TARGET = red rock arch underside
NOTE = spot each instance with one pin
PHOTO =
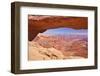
(37, 24)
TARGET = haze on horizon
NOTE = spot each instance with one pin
(66, 31)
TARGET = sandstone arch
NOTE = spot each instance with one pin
(37, 24)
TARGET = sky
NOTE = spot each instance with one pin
(66, 31)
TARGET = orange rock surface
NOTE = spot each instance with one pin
(38, 24)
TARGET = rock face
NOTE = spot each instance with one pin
(38, 24)
(37, 52)
(58, 47)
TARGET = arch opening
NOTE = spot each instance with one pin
(40, 23)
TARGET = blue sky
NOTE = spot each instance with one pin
(66, 31)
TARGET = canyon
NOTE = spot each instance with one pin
(58, 47)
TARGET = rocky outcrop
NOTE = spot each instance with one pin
(38, 24)
(37, 52)
(55, 47)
